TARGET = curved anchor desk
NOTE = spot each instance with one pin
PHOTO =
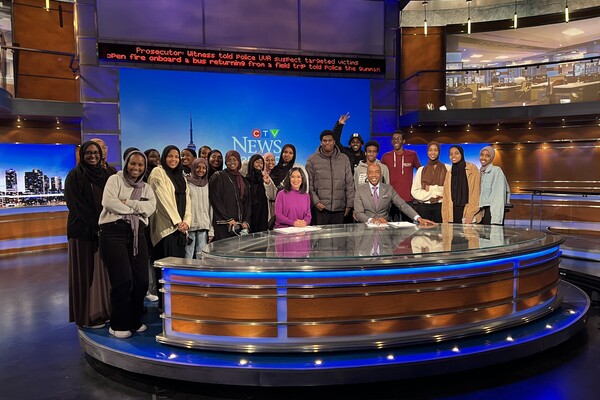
(370, 304)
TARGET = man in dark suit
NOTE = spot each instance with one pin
(372, 202)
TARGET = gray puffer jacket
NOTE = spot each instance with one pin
(330, 180)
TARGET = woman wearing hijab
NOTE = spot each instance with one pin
(461, 190)
(287, 160)
(269, 162)
(215, 162)
(229, 194)
(428, 185)
(495, 192)
(262, 190)
(89, 287)
(171, 221)
(128, 202)
(201, 231)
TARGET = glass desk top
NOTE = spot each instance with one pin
(340, 246)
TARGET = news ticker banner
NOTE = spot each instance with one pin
(244, 60)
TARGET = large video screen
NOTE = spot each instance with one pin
(249, 113)
(34, 174)
(537, 44)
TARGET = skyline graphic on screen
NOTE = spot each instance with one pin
(34, 174)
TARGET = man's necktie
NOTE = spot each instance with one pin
(375, 196)
(375, 244)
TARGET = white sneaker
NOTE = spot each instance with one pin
(142, 328)
(151, 297)
(119, 334)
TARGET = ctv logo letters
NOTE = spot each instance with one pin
(260, 141)
(266, 132)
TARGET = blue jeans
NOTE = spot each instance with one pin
(199, 240)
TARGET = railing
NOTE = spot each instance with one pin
(557, 82)
(36, 64)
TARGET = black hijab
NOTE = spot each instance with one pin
(176, 177)
(255, 176)
(237, 176)
(258, 197)
(96, 174)
(459, 186)
(281, 170)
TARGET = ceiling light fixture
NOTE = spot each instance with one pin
(567, 11)
(515, 16)
(425, 20)
(47, 5)
(469, 18)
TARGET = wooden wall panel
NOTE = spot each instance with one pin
(65, 135)
(45, 88)
(418, 53)
(33, 225)
(42, 76)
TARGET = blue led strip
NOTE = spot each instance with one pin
(167, 271)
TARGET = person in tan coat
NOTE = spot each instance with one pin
(461, 190)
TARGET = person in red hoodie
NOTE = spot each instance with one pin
(401, 163)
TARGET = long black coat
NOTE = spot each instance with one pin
(227, 204)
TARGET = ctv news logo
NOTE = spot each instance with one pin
(259, 141)
(265, 133)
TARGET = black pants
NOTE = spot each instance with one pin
(431, 212)
(487, 216)
(172, 245)
(396, 215)
(128, 274)
(457, 214)
(327, 217)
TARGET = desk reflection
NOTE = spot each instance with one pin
(293, 246)
(362, 241)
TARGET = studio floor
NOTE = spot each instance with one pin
(41, 357)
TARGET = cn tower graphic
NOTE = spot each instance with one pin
(191, 145)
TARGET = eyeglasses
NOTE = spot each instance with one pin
(91, 153)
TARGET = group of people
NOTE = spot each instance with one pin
(173, 203)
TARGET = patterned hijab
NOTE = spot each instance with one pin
(95, 173)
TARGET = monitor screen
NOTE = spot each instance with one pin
(535, 44)
(34, 174)
(249, 113)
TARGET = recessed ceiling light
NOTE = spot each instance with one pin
(465, 60)
(501, 57)
(477, 56)
(485, 61)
